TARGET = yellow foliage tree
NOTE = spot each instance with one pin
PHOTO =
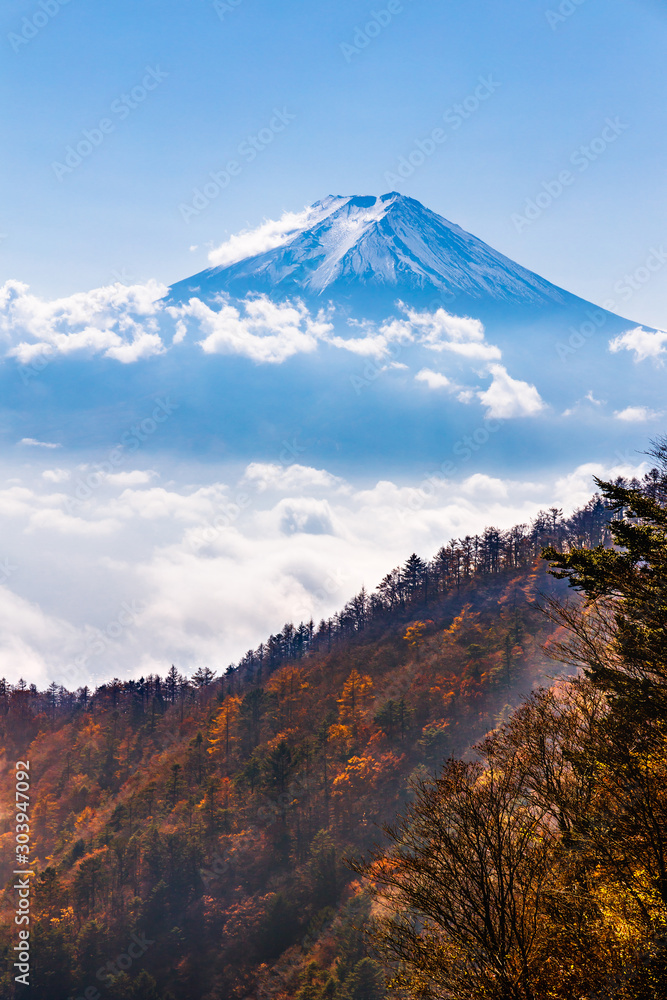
(353, 703)
(289, 686)
(223, 735)
(466, 627)
(357, 777)
(415, 633)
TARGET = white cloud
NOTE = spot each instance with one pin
(144, 345)
(56, 475)
(508, 397)
(17, 501)
(637, 414)
(28, 636)
(66, 524)
(265, 476)
(440, 323)
(575, 488)
(270, 234)
(483, 485)
(644, 343)
(259, 329)
(462, 335)
(465, 396)
(133, 477)
(160, 503)
(249, 242)
(397, 331)
(370, 346)
(434, 380)
(116, 320)
(376, 344)
(476, 352)
(436, 331)
(127, 323)
(305, 515)
(34, 443)
(580, 404)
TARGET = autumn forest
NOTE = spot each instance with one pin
(454, 788)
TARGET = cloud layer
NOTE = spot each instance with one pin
(127, 324)
(144, 573)
(117, 321)
(260, 329)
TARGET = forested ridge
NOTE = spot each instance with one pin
(214, 818)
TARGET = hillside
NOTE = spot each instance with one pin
(212, 817)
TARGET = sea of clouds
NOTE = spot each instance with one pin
(123, 573)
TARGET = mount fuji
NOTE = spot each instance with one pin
(376, 333)
(385, 247)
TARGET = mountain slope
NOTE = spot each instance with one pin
(211, 820)
(391, 242)
(215, 827)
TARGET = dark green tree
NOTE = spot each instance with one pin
(366, 981)
(619, 634)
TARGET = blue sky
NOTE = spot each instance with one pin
(558, 77)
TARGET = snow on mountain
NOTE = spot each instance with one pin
(272, 233)
(392, 242)
(376, 335)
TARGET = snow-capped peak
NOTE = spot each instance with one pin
(352, 242)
